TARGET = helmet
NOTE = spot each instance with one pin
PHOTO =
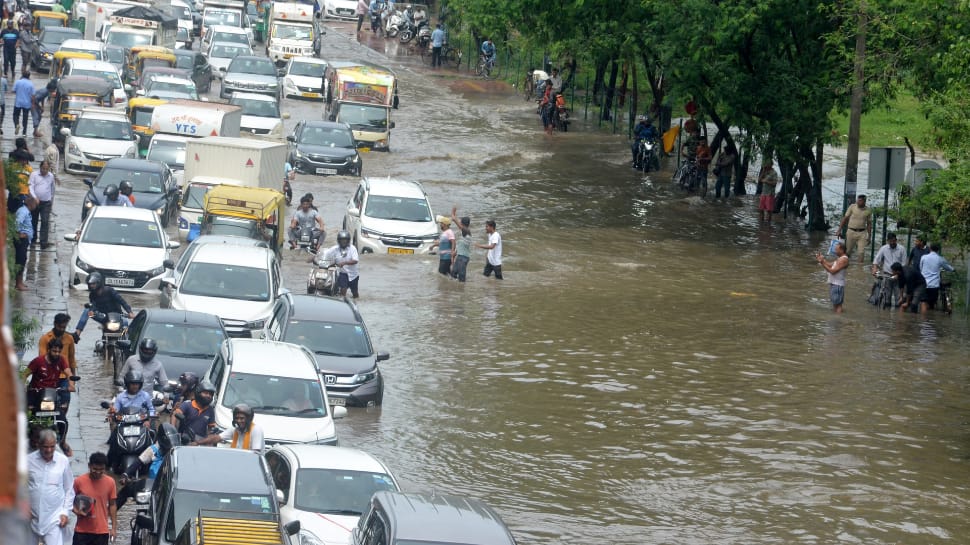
(168, 438)
(125, 187)
(111, 192)
(245, 410)
(204, 386)
(189, 381)
(147, 349)
(95, 281)
(134, 377)
(342, 237)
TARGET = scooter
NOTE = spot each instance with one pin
(309, 238)
(131, 437)
(112, 330)
(45, 411)
(393, 23)
(424, 35)
(323, 278)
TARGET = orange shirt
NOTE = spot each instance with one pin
(104, 493)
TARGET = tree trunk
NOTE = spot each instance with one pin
(611, 92)
(855, 111)
(598, 80)
(816, 211)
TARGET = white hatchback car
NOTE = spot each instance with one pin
(340, 9)
(100, 70)
(93, 47)
(222, 53)
(280, 382)
(239, 284)
(326, 488)
(260, 115)
(99, 134)
(304, 78)
(387, 216)
(127, 245)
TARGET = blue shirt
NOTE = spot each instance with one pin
(437, 38)
(9, 36)
(141, 400)
(24, 223)
(930, 266)
(24, 91)
(488, 48)
(120, 201)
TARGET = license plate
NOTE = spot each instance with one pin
(400, 251)
(310, 95)
(363, 150)
(97, 164)
(326, 171)
(131, 431)
(337, 401)
(125, 282)
(46, 413)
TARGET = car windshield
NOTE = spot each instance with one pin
(104, 129)
(256, 107)
(237, 227)
(182, 35)
(276, 395)
(226, 281)
(143, 117)
(155, 87)
(195, 196)
(128, 39)
(229, 51)
(184, 61)
(311, 69)
(329, 339)
(321, 136)
(188, 503)
(363, 116)
(53, 37)
(292, 32)
(111, 76)
(170, 152)
(141, 181)
(231, 37)
(338, 491)
(249, 65)
(185, 340)
(397, 208)
(214, 17)
(116, 55)
(122, 232)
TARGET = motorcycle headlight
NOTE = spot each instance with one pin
(160, 210)
(47, 405)
(82, 265)
(183, 223)
(88, 203)
(112, 326)
(73, 149)
(47, 55)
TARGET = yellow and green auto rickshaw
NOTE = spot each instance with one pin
(134, 51)
(60, 59)
(140, 114)
(148, 59)
(44, 19)
(76, 92)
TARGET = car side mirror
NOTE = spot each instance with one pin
(391, 126)
(293, 527)
(105, 404)
(172, 244)
(168, 264)
(70, 237)
(286, 115)
(383, 356)
(339, 412)
(280, 497)
(290, 138)
(66, 132)
(144, 521)
(355, 212)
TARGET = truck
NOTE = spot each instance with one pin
(225, 12)
(292, 32)
(218, 160)
(141, 25)
(362, 96)
(96, 16)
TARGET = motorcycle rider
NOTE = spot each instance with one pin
(152, 370)
(345, 256)
(113, 197)
(125, 188)
(150, 458)
(45, 372)
(196, 418)
(103, 299)
(61, 320)
(244, 433)
(306, 217)
(188, 382)
(131, 396)
(643, 131)
(556, 80)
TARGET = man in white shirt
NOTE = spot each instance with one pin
(493, 261)
(41, 184)
(890, 253)
(50, 483)
(556, 81)
(345, 256)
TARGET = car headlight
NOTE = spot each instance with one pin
(307, 538)
(157, 271)
(382, 143)
(88, 203)
(160, 210)
(73, 149)
(132, 152)
(361, 378)
(297, 153)
(369, 234)
(274, 85)
(81, 264)
(255, 324)
(356, 157)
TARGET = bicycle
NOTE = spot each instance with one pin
(486, 67)
(946, 297)
(449, 55)
(885, 291)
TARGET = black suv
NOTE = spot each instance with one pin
(334, 331)
(396, 517)
(195, 479)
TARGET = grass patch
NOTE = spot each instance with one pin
(888, 125)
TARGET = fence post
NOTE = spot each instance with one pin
(586, 100)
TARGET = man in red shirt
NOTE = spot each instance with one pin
(97, 502)
(45, 371)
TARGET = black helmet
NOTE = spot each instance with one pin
(134, 377)
(147, 349)
(95, 281)
(244, 409)
(189, 381)
(168, 438)
(111, 192)
(342, 237)
(204, 386)
(125, 187)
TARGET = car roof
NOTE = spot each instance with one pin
(99, 112)
(323, 309)
(308, 60)
(331, 457)
(81, 43)
(185, 52)
(92, 64)
(173, 316)
(63, 30)
(127, 163)
(263, 357)
(228, 470)
(442, 518)
(253, 96)
(227, 28)
(124, 212)
(325, 124)
(170, 78)
(232, 254)
(395, 188)
(231, 240)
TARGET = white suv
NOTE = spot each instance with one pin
(240, 284)
(390, 217)
(98, 134)
(280, 382)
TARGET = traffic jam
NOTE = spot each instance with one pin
(171, 116)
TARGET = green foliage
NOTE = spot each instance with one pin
(901, 117)
(24, 328)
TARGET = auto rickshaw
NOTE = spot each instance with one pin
(147, 59)
(60, 59)
(136, 50)
(44, 19)
(76, 92)
(140, 113)
(253, 212)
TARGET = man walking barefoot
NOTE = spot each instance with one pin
(836, 275)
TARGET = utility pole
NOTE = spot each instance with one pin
(855, 110)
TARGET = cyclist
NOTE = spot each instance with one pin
(643, 131)
(488, 51)
(103, 299)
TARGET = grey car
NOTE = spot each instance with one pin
(251, 74)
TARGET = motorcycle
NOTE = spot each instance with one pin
(46, 411)
(408, 29)
(424, 35)
(131, 437)
(112, 330)
(647, 156)
(309, 238)
(323, 278)
(393, 23)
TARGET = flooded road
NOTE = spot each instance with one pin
(653, 368)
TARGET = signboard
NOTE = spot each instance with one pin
(887, 167)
